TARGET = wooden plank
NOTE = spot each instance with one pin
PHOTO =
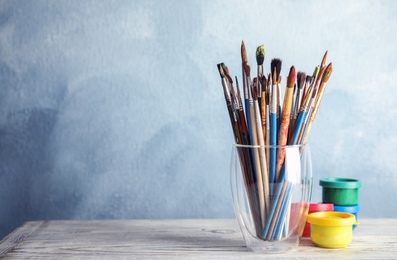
(20, 234)
(170, 239)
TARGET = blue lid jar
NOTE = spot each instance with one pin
(349, 209)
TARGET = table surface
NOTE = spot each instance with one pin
(179, 238)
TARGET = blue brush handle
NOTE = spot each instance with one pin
(298, 127)
(273, 151)
(274, 203)
(283, 211)
(248, 119)
(276, 197)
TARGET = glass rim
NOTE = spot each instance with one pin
(271, 146)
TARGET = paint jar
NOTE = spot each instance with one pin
(349, 209)
(340, 191)
(331, 229)
(316, 207)
(271, 209)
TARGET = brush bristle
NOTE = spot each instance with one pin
(324, 60)
(275, 66)
(244, 56)
(221, 73)
(291, 77)
(226, 72)
(247, 69)
(301, 79)
(308, 79)
(327, 73)
(263, 82)
(316, 71)
(260, 55)
(267, 99)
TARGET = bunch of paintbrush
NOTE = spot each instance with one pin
(269, 125)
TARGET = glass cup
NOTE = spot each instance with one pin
(271, 188)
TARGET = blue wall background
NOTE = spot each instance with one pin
(114, 109)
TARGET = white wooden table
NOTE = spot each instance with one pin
(171, 239)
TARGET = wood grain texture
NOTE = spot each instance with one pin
(171, 239)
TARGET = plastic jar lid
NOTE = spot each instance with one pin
(349, 209)
(321, 207)
(340, 183)
(327, 218)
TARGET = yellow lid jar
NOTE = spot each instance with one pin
(331, 229)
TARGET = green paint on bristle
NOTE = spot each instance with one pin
(316, 71)
(260, 54)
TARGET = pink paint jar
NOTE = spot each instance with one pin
(316, 207)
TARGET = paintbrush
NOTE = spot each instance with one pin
(250, 104)
(229, 104)
(279, 111)
(310, 105)
(286, 112)
(310, 83)
(301, 77)
(321, 89)
(260, 57)
(324, 60)
(243, 123)
(263, 106)
(304, 108)
(250, 113)
(283, 136)
(262, 152)
(294, 93)
(267, 141)
(246, 89)
(257, 156)
(282, 218)
(237, 105)
(265, 116)
(275, 69)
(254, 137)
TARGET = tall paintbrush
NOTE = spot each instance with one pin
(267, 140)
(262, 152)
(282, 140)
(275, 69)
(263, 106)
(285, 120)
(301, 83)
(246, 88)
(249, 105)
(229, 105)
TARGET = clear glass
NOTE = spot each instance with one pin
(271, 188)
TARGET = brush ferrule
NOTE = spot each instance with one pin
(245, 86)
(273, 100)
(226, 89)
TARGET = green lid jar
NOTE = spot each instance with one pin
(340, 191)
